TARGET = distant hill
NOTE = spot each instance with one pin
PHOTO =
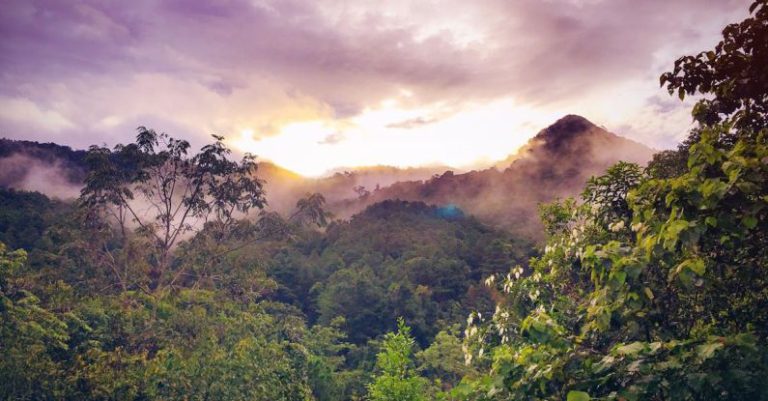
(59, 171)
(49, 168)
(284, 188)
(554, 164)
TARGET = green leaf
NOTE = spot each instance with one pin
(631, 349)
(578, 396)
(749, 221)
(714, 189)
(617, 279)
(706, 351)
(648, 293)
(695, 265)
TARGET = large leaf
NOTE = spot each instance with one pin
(578, 396)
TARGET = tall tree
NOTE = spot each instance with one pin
(310, 210)
(156, 186)
(397, 379)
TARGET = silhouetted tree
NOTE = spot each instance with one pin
(734, 74)
(177, 193)
(310, 210)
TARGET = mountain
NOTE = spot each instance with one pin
(555, 163)
(284, 187)
(58, 171)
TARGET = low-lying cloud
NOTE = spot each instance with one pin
(26, 173)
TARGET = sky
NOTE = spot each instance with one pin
(315, 85)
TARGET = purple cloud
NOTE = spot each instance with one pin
(87, 61)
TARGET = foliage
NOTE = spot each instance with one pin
(309, 210)
(28, 334)
(397, 379)
(652, 287)
(443, 360)
(733, 73)
(24, 217)
(179, 192)
(396, 259)
(673, 308)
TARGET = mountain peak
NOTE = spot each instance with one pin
(567, 126)
(566, 130)
(572, 121)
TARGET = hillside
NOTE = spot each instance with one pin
(395, 258)
(49, 168)
(58, 171)
(284, 187)
(554, 164)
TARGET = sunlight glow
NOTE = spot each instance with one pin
(392, 135)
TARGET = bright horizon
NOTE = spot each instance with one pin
(315, 86)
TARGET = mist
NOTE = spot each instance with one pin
(26, 173)
(554, 164)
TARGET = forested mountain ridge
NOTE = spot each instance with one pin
(556, 163)
(396, 258)
(350, 282)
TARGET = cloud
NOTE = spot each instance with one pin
(333, 138)
(413, 123)
(664, 104)
(226, 65)
(25, 114)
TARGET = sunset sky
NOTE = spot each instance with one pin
(316, 84)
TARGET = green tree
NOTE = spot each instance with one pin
(397, 379)
(731, 76)
(443, 360)
(655, 288)
(177, 192)
(672, 308)
(30, 337)
(358, 296)
(310, 210)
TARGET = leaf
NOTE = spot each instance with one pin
(617, 279)
(707, 350)
(695, 265)
(749, 221)
(577, 396)
(631, 349)
(648, 293)
(714, 189)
